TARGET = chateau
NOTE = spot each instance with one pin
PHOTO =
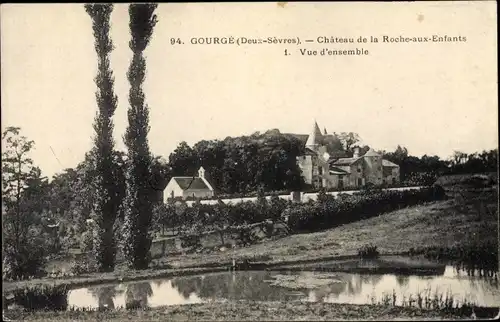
(323, 170)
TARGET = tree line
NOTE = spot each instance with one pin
(115, 187)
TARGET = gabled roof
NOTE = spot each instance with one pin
(387, 163)
(186, 183)
(346, 161)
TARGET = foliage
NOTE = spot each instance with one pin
(84, 266)
(332, 212)
(483, 255)
(368, 251)
(39, 297)
(138, 200)
(243, 164)
(106, 193)
(428, 300)
(245, 236)
(191, 241)
(422, 170)
(23, 191)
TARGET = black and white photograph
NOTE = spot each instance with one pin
(250, 161)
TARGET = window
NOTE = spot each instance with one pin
(359, 170)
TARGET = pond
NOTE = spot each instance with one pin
(290, 286)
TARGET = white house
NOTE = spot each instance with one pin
(197, 187)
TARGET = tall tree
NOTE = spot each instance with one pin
(348, 139)
(22, 197)
(104, 182)
(138, 204)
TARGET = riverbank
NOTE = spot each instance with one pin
(257, 310)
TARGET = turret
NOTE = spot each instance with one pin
(313, 139)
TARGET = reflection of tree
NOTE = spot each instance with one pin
(354, 285)
(136, 295)
(402, 280)
(233, 286)
(105, 296)
(332, 290)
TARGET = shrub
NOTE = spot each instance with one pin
(368, 251)
(331, 212)
(191, 241)
(86, 241)
(245, 236)
(84, 266)
(23, 262)
(52, 297)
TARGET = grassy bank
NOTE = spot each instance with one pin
(254, 310)
(442, 224)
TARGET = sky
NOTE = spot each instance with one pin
(433, 98)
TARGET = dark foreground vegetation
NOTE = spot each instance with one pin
(258, 311)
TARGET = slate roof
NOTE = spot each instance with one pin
(190, 183)
(315, 135)
(387, 163)
(346, 161)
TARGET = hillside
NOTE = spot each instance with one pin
(447, 224)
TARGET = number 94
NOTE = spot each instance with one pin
(175, 41)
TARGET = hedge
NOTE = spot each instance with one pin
(329, 212)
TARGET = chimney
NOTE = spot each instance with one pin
(356, 153)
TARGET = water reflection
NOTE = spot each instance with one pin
(105, 296)
(136, 295)
(287, 286)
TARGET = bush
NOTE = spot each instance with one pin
(421, 179)
(23, 262)
(85, 266)
(51, 297)
(86, 241)
(368, 251)
(191, 241)
(332, 212)
(245, 236)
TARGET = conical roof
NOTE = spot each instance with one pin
(312, 140)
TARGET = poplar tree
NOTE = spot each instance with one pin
(104, 188)
(138, 203)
